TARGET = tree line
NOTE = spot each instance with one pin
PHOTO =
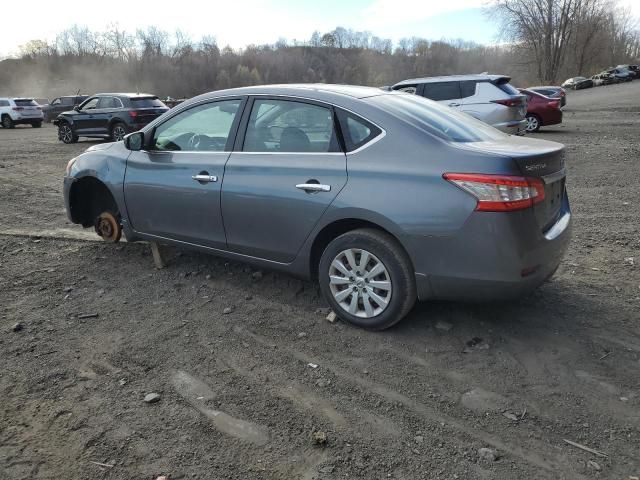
(546, 41)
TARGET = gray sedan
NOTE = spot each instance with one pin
(382, 197)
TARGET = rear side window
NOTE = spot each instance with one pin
(290, 126)
(146, 102)
(25, 102)
(442, 91)
(67, 100)
(356, 131)
(507, 88)
(4, 103)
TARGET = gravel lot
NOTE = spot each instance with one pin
(250, 393)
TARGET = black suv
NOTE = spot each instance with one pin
(61, 104)
(109, 115)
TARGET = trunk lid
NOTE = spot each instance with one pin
(538, 159)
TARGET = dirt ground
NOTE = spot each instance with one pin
(242, 394)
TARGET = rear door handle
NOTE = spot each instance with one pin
(314, 187)
(454, 104)
(204, 178)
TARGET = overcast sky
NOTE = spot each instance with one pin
(242, 22)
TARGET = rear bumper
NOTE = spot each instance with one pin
(513, 127)
(551, 117)
(494, 256)
(26, 120)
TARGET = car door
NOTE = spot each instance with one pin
(447, 93)
(172, 187)
(101, 121)
(83, 118)
(283, 174)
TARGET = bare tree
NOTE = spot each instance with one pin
(544, 27)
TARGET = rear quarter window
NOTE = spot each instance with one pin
(356, 131)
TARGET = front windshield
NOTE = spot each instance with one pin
(429, 116)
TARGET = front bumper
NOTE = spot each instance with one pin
(494, 256)
(66, 189)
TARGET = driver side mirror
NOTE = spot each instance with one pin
(134, 141)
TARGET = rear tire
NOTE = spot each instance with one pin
(533, 122)
(7, 122)
(367, 278)
(118, 131)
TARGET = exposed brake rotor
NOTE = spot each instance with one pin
(108, 227)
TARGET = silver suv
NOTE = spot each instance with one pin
(16, 111)
(490, 98)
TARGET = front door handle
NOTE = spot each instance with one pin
(204, 178)
(454, 104)
(314, 187)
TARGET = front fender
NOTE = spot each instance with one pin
(105, 162)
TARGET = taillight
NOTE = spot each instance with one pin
(509, 102)
(499, 193)
(133, 114)
(554, 104)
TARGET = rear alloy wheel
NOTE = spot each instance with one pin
(7, 122)
(367, 278)
(118, 131)
(533, 123)
(65, 133)
(108, 227)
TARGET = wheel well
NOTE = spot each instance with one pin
(333, 230)
(89, 197)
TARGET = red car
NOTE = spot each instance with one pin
(541, 111)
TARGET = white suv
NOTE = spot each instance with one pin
(16, 111)
(490, 98)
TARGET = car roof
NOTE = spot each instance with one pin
(128, 95)
(312, 91)
(460, 78)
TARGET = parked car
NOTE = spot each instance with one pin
(620, 75)
(633, 72)
(61, 104)
(603, 79)
(20, 111)
(578, 83)
(489, 98)
(551, 92)
(109, 115)
(542, 111)
(382, 197)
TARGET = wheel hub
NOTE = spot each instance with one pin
(108, 227)
(360, 283)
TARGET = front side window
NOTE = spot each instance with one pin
(91, 104)
(290, 126)
(442, 91)
(408, 89)
(56, 102)
(109, 102)
(205, 128)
